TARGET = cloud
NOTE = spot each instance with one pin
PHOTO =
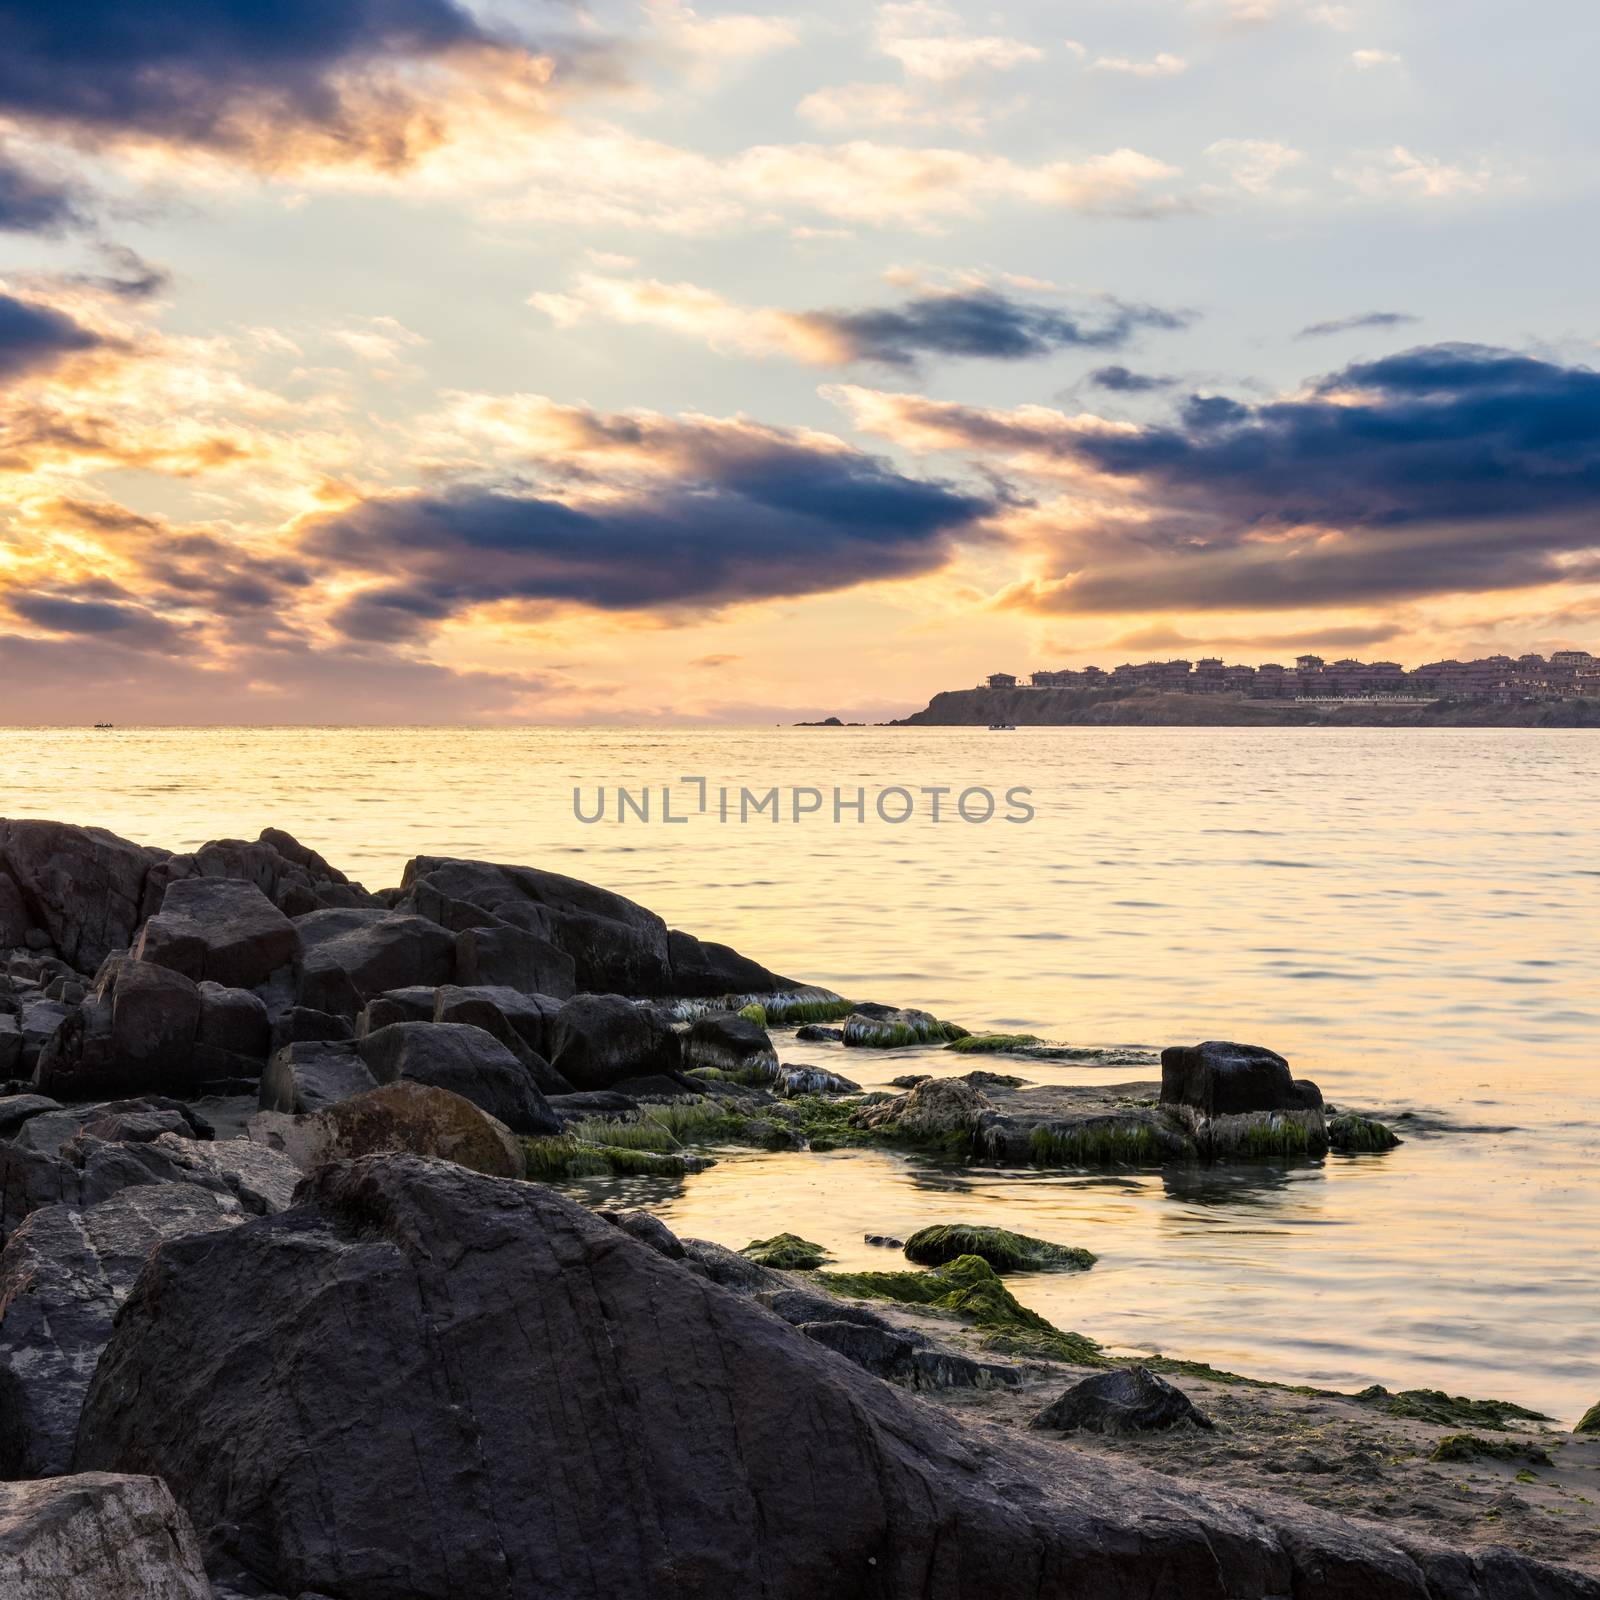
(1160, 66)
(1119, 380)
(1367, 59)
(1254, 164)
(657, 514)
(971, 321)
(1162, 636)
(34, 202)
(34, 336)
(1403, 171)
(118, 619)
(128, 276)
(734, 36)
(720, 660)
(891, 105)
(928, 41)
(1446, 469)
(297, 81)
(1366, 319)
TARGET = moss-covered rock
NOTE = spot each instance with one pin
(563, 1157)
(1357, 1135)
(1469, 1447)
(788, 1252)
(890, 1027)
(1589, 1422)
(969, 1287)
(1003, 1250)
(754, 1012)
(1446, 1410)
(993, 1043)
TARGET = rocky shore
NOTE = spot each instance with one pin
(285, 1313)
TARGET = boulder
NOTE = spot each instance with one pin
(260, 1179)
(17, 1109)
(1129, 1400)
(137, 1030)
(1221, 1079)
(311, 1076)
(942, 1111)
(405, 1117)
(889, 1027)
(647, 1229)
(11, 1045)
(600, 1040)
(351, 955)
(295, 879)
(83, 887)
(57, 1127)
(614, 944)
(523, 1023)
(234, 1037)
(793, 1081)
(422, 1382)
(40, 1020)
(513, 958)
(219, 929)
(398, 1005)
(732, 1044)
(16, 921)
(97, 1536)
(63, 1274)
(302, 1025)
(466, 1061)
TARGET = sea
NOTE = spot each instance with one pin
(1412, 917)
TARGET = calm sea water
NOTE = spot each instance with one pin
(1413, 918)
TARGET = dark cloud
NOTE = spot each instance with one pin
(34, 336)
(1119, 380)
(235, 75)
(1162, 637)
(1367, 319)
(981, 323)
(758, 516)
(31, 202)
(1449, 468)
(82, 612)
(128, 275)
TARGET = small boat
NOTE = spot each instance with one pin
(105, 724)
(1002, 727)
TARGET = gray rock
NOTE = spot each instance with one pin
(1128, 1400)
(16, 921)
(295, 879)
(523, 1023)
(220, 930)
(352, 955)
(648, 1230)
(10, 1045)
(301, 1025)
(792, 1081)
(83, 887)
(460, 1387)
(53, 1129)
(307, 1077)
(602, 1039)
(17, 1109)
(63, 1274)
(260, 1179)
(398, 1005)
(1221, 1079)
(466, 1061)
(97, 1536)
(40, 1020)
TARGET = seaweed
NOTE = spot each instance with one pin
(1357, 1135)
(992, 1043)
(1095, 1145)
(1469, 1447)
(754, 1012)
(561, 1157)
(1445, 1410)
(786, 1251)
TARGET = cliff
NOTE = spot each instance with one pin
(1089, 708)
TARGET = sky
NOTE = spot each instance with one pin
(376, 361)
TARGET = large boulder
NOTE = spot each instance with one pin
(63, 1274)
(523, 1023)
(939, 1111)
(513, 958)
(83, 887)
(219, 929)
(603, 1039)
(1223, 1079)
(97, 1536)
(466, 1061)
(421, 1382)
(614, 944)
(1129, 1400)
(733, 1044)
(404, 1117)
(294, 878)
(351, 955)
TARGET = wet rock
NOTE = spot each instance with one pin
(63, 1274)
(1004, 1250)
(793, 1081)
(219, 929)
(1352, 1134)
(1128, 1400)
(601, 1039)
(1589, 1422)
(352, 955)
(83, 887)
(732, 1044)
(786, 1252)
(466, 1061)
(261, 1180)
(302, 1025)
(419, 1332)
(10, 1046)
(416, 1004)
(513, 958)
(902, 1358)
(888, 1027)
(602, 1103)
(886, 1241)
(307, 1077)
(1223, 1079)
(524, 1023)
(404, 1117)
(97, 1536)
(814, 1033)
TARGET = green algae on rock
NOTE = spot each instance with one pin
(992, 1043)
(891, 1027)
(1469, 1447)
(1589, 1422)
(1003, 1250)
(560, 1157)
(788, 1252)
(1352, 1134)
(1434, 1405)
(970, 1287)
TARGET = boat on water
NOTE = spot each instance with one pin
(1002, 727)
(105, 724)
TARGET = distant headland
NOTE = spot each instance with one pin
(1528, 691)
